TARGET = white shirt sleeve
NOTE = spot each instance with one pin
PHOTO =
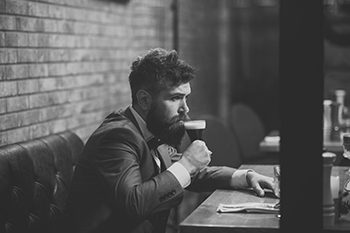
(239, 178)
(181, 174)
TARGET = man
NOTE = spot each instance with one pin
(124, 180)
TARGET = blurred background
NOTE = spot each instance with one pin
(64, 64)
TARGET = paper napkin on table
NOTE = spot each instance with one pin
(252, 207)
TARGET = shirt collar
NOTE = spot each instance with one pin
(147, 135)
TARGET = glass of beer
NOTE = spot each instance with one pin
(194, 129)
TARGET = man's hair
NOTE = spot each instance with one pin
(156, 70)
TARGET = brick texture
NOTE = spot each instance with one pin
(64, 64)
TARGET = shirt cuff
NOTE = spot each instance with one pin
(180, 173)
(239, 178)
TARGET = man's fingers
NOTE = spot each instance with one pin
(257, 187)
(276, 192)
(259, 182)
(259, 191)
(273, 186)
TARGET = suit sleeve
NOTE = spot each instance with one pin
(117, 159)
(211, 178)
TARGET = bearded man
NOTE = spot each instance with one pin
(130, 174)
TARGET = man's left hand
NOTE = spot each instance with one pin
(258, 182)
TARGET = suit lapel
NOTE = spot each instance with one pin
(145, 168)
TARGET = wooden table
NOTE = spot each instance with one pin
(268, 145)
(205, 218)
(273, 146)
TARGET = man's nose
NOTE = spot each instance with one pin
(184, 107)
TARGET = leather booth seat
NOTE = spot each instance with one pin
(35, 178)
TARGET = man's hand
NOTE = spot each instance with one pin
(258, 182)
(195, 157)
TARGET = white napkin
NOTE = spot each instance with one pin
(252, 207)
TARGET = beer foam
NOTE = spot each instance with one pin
(195, 124)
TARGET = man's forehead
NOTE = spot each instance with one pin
(183, 88)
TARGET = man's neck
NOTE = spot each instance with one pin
(141, 122)
(139, 111)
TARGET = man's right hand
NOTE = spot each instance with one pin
(195, 157)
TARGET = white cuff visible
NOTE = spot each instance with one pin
(181, 174)
(239, 178)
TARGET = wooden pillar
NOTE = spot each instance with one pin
(301, 91)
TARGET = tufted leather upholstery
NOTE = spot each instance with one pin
(35, 177)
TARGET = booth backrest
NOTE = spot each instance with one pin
(250, 131)
(35, 179)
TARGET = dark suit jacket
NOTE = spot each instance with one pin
(116, 185)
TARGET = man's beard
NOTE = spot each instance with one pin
(171, 132)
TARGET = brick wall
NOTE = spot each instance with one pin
(64, 64)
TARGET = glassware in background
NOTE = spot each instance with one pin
(343, 200)
(328, 205)
(340, 96)
(336, 117)
(276, 184)
(343, 117)
(336, 121)
(276, 180)
(345, 127)
(336, 194)
(335, 180)
(327, 120)
(346, 150)
(346, 145)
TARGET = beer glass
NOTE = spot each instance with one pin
(194, 129)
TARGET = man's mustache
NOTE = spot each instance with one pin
(180, 119)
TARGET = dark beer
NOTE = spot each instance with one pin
(195, 129)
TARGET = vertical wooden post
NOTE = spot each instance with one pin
(301, 104)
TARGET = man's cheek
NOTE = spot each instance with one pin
(169, 116)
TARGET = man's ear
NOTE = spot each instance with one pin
(144, 100)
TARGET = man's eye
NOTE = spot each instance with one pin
(175, 98)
